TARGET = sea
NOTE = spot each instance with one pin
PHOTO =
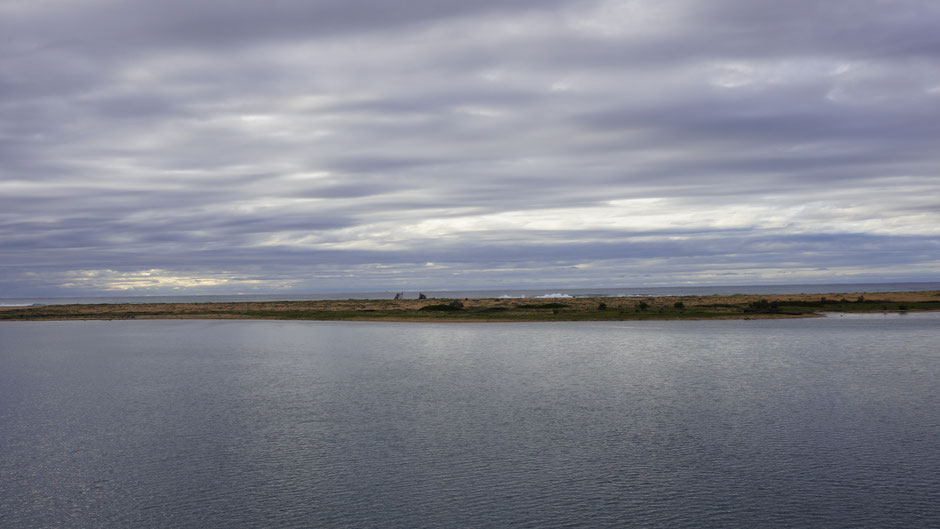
(552, 292)
(820, 422)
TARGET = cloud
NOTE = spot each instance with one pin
(342, 145)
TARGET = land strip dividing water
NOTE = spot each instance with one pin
(738, 306)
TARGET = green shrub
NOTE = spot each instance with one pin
(764, 306)
(441, 307)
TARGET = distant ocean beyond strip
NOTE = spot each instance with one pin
(496, 293)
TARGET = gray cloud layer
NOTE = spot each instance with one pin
(220, 146)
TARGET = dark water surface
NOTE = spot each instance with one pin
(830, 422)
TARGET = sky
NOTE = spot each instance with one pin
(233, 146)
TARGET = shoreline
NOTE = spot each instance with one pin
(500, 310)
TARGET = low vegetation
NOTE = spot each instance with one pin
(574, 309)
(441, 307)
(543, 306)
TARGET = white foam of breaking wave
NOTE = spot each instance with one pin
(555, 295)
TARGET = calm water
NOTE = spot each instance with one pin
(831, 422)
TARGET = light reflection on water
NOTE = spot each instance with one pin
(820, 422)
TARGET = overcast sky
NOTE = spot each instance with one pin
(226, 146)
